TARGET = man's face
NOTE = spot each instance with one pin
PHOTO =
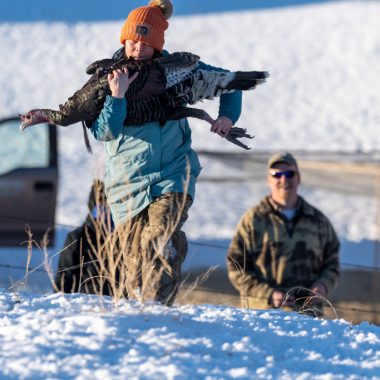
(283, 181)
(138, 50)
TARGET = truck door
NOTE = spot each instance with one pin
(28, 181)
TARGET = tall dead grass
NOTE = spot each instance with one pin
(119, 262)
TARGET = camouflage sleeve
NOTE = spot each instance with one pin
(330, 269)
(243, 252)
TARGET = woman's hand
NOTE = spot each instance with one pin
(221, 126)
(119, 82)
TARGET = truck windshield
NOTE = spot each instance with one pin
(29, 149)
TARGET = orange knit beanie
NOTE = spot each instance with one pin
(148, 24)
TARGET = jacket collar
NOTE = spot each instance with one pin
(269, 205)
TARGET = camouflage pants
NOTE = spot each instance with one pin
(157, 247)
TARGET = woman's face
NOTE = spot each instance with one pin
(138, 50)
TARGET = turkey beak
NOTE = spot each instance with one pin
(25, 122)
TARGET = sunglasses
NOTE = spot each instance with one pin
(287, 173)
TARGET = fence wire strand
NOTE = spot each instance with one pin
(39, 268)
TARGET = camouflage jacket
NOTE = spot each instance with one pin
(269, 252)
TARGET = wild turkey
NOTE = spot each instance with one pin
(160, 92)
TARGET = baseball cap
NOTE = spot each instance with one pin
(285, 157)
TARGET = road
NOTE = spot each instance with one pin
(349, 174)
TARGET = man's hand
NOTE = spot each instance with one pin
(221, 126)
(279, 298)
(319, 288)
(119, 82)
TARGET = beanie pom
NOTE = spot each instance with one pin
(166, 7)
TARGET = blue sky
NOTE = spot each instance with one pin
(96, 10)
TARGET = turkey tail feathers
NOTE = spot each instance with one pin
(210, 84)
(246, 80)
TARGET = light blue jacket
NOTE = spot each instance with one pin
(145, 161)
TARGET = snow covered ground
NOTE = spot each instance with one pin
(323, 95)
(65, 337)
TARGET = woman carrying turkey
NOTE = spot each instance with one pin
(151, 169)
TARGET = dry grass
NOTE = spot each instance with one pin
(311, 304)
(128, 267)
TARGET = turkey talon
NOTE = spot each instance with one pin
(236, 133)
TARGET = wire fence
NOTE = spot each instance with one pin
(193, 242)
(198, 288)
(41, 270)
(203, 289)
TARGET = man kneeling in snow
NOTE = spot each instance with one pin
(285, 252)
